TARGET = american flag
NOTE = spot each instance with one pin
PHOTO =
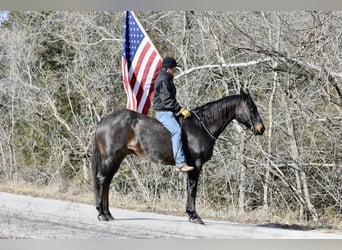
(140, 65)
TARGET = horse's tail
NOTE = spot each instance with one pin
(96, 162)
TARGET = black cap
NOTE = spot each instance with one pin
(169, 62)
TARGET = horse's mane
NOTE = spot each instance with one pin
(218, 109)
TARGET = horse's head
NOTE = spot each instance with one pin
(247, 113)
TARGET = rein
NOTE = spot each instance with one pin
(205, 127)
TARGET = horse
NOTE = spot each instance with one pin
(127, 132)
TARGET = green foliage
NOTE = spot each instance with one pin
(55, 54)
(32, 141)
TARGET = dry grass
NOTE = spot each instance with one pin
(51, 192)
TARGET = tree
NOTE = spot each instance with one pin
(60, 72)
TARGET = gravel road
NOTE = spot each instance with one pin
(36, 218)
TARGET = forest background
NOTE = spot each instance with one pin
(60, 72)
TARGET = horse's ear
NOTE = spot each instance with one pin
(243, 93)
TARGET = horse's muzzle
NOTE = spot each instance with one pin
(259, 128)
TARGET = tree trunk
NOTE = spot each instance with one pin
(242, 182)
(302, 185)
(274, 27)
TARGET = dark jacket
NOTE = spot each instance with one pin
(165, 93)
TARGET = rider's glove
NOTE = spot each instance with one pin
(185, 113)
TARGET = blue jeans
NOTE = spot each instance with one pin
(167, 118)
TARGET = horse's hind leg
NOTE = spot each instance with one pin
(99, 206)
(104, 178)
(106, 197)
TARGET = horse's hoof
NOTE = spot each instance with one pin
(102, 217)
(196, 220)
(110, 217)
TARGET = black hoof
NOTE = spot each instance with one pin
(110, 217)
(104, 217)
(196, 220)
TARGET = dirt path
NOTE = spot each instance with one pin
(36, 218)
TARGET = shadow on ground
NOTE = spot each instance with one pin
(294, 227)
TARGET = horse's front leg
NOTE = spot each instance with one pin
(193, 177)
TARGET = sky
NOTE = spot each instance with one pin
(3, 16)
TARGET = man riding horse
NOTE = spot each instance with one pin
(166, 107)
(126, 132)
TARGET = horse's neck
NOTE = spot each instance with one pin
(217, 115)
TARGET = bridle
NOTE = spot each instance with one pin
(249, 117)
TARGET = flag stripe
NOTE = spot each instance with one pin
(149, 95)
(148, 78)
(144, 77)
(131, 101)
(140, 70)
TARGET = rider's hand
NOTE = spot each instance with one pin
(185, 113)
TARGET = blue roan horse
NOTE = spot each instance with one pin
(127, 132)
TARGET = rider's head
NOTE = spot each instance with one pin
(169, 64)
